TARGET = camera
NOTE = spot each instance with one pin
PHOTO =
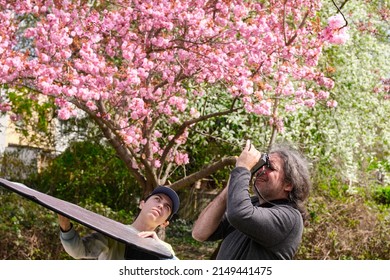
(264, 160)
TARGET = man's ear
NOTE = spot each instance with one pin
(288, 187)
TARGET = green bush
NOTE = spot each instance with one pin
(28, 231)
(179, 235)
(382, 195)
(345, 226)
(89, 171)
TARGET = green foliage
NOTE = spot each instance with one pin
(89, 172)
(352, 138)
(122, 216)
(28, 231)
(222, 136)
(179, 234)
(346, 227)
(382, 195)
(33, 115)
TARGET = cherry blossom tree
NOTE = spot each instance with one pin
(138, 68)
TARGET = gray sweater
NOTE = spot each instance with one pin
(98, 246)
(251, 231)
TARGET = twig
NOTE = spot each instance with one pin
(339, 10)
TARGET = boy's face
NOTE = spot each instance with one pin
(156, 209)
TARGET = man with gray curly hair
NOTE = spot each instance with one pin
(268, 225)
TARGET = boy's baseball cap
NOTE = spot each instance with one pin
(171, 194)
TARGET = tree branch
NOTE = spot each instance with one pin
(109, 132)
(188, 123)
(291, 40)
(342, 5)
(163, 178)
(299, 27)
(274, 130)
(339, 10)
(284, 22)
(122, 152)
(146, 154)
(191, 179)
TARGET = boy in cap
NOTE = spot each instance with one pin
(156, 210)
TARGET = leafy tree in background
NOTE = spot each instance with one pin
(352, 139)
(146, 72)
(349, 144)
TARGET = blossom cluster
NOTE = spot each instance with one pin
(337, 31)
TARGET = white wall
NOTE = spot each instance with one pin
(3, 133)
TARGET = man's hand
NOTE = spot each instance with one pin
(248, 157)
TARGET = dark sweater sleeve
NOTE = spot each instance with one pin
(266, 226)
(223, 229)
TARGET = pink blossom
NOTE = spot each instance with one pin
(194, 113)
(326, 82)
(336, 21)
(95, 38)
(181, 159)
(336, 32)
(310, 103)
(155, 147)
(17, 63)
(64, 114)
(288, 89)
(331, 103)
(15, 117)
(173, 120)
(60, 102)
(309, 94)
(300, 92)
(129, 140)
(5, 107)
(138, 109)
(164, 109)
(339, 38)
(91, 105)
(178, 102)
(290, 108)
(158, 134)
(183, 138)
(322, 95)
(264, 108)
(156, 163)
